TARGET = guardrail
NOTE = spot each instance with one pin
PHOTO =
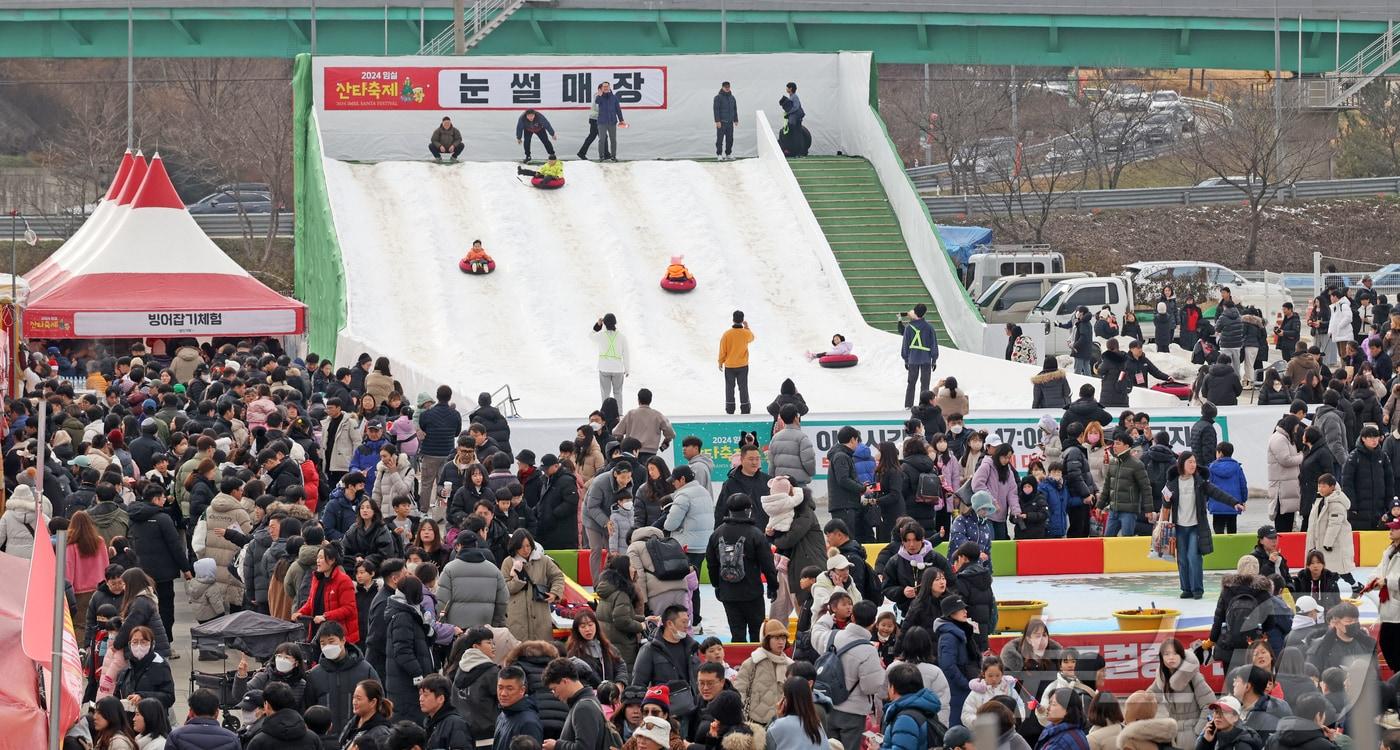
(1085, 200)
(62, 226)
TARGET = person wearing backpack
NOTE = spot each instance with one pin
(851, 676)
(737, 553)
(651, 554)
(911, 713)
(1240, 613)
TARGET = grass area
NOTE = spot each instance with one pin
(14, 160)
(276, 272)
(1151, 173)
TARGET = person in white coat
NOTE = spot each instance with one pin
(19, 523)
(1338, 325)
(613, 361)
(393, 478)
(1328, 527)
(1387, 579)
(1284, 460)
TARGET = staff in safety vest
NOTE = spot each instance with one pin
(613, 363)
(920, 352)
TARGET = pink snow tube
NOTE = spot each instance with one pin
(838, 361)
(677, 285)
(467, 267)
(544, 183)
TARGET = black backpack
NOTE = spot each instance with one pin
(929, 489)
(668, 559)
(1244, 622)
(934, 730)
(731, 559)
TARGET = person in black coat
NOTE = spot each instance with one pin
(497, 428)
(409, 649)
(1317, 460)
(787, 394)
(558, 509)
(905, 568)
(742, 598)
(740, 481)
(843, 488)
(1083, 410)
(283, 728)
(1035, 510)
(160, 548)
(369, 536)
(147, 674)
(1050, 386)
(1201, 439)
(1368, 480)
(916, 462)
(1113, 381)
(1081, 343)
(973, 582)
(332, 682)
(1288, 330)
(1220, 384)
(445, 726)
(930, 414)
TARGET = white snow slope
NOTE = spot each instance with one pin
(601, 244)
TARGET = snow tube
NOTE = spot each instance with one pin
(1180, 390)
(836, 361)
(678, 286)
(544, 183)
(467, 267)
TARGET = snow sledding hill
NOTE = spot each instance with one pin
(601, 244)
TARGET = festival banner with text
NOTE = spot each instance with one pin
(397, 88)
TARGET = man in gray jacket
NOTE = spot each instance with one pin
(647, 425)
(861, 663)
(790, 451)
(698, 461)
(471, 590)
(726, 117)
(597, 508)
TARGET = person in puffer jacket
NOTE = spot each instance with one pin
(996, 476)
(993, 683)
(1056, 500)
(791, 452)
(18, 524)
(365, 459)
(1035, 510)
(974, 525)
(206, 595)
(1227, 474)
(620, 524)
(865, 464)
(394, 479)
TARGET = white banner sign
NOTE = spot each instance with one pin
(549, 88)
(188, 322)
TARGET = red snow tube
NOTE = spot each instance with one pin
(467, 267)
(544, 183)
(1180, 390)
(837, 361)
(677, 285)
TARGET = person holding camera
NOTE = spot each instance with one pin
(1225, 731)
(534, 582)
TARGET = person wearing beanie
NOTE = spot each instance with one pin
(734, 363)
(919, 349)
(737, 553)
(1201, 439)
(659, 696)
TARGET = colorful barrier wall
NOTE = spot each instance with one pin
(1093, 556)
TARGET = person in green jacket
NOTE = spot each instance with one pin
(1127, 491)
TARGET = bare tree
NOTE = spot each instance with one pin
(1259, 149)
(1104, 127)
(1019, 193)
(967, 118)
(84, 126)
(1371, 145)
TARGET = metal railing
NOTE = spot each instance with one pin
(1085, 200)
(62, 226)
(481, 18)
(1368, 64)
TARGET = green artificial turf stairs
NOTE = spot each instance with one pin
(850, 205)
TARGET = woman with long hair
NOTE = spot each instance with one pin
(85, 561)
(111, 729)
(534, 581)
(949, 398)
(1180, 687)
(1387, 579)
(891, 484)
(474, 489)
(588, 642)
(1106, 722)
(927, 605)
(139, 608)
(611, 413)
(409, 647)
(151, 724)
(916, 647)
(589, 454)
(647, 507)
(620, 607)
(797, 726)
(1185, 500)
(998, 478)
(201, 485)
(147, 673)
(371, 715)
(369, 536)
(429, 539)
(1033, 656)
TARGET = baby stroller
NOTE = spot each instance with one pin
(254, 634)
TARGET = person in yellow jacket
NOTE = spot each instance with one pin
(734, 362)
(550, 170)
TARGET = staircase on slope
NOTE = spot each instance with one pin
(850, 205)
(479, 19)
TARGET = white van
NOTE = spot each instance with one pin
(1010, 299)
(1009, 260)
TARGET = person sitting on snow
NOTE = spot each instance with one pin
(677, 270)
(477, 259)
(839, 347)
(550, 170)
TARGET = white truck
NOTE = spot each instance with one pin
(1009, 260)
(1138, 289)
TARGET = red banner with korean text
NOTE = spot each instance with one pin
(490, 88)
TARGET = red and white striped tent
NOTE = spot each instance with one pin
(141, 267)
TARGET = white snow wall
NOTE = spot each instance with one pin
(386, 127)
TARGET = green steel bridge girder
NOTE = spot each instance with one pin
(894, 37)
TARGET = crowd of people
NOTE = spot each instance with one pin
(409, 538)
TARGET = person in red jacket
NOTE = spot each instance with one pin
(332, 595)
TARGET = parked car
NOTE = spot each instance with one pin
(1162, 100)
(1185, 117)
(1010, 298)
(226, 202)
(1160, 127)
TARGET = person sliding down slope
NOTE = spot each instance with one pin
(477, 259)
(549, 171)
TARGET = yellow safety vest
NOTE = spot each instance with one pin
(611, 352)
(918, 341)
